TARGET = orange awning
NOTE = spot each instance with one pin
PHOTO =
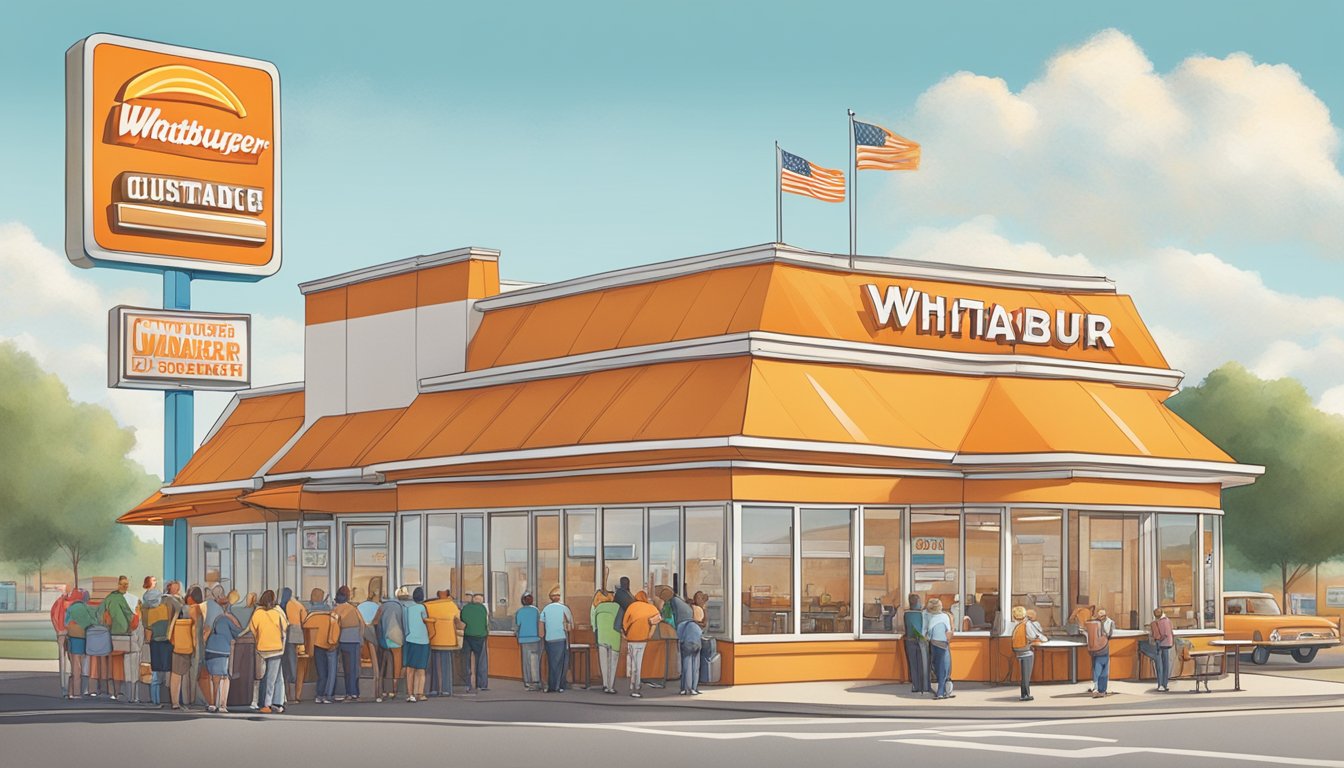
(161, 507)
(258, 427)
(336, 442)
(295, 498)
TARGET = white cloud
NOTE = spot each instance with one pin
(1332, 400)
(1104, 154)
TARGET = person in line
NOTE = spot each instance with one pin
(690, 638)
(136, 657)
(218, 649)
(623, 597)
(638, 622)
(295, 614)
(475, 631)
(368, 611)
(270, 627)
(390, 632)
(602, 618)
(119, 617)
(1164, 639)
(58, 610)
(183, 638)
(317, 601)
(444, 623)
(415, 652)
(323, 629)
(78, 618)
(1099, 629)
(352, 634)
(1025, 637)
(527, 628)
(938, 628)
(156, 619)
(916, 645)
(556, 623)
(708, 645)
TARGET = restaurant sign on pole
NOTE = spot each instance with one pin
(166, 349)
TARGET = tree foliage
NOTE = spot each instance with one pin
(66, 473)
(1292, 518)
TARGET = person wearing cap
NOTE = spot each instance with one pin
(415, 651)
(352, 634)
(556, 623)
(1099, 630)
(602, 617)
(474, 634)
(638, 622)
(527, 628)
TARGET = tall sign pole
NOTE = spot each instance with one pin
(173, 168)
(853, 192)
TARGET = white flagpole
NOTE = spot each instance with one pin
(779, 196)
(853, 190)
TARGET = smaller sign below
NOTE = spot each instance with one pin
(1334, 597)
(176, 349)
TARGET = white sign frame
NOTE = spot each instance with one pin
(119, 378)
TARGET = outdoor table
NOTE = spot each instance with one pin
(1196, 656)
(1235, 646)
(1072, 646)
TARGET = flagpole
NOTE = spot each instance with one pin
(779, 197)
(853, 191)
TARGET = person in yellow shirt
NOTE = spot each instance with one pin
(444, 624)
(270, 627)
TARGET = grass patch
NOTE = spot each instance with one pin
(27, 649)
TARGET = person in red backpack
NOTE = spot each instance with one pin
(1099, 630)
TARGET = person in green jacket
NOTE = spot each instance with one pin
(475, 635)
(602, 617)
(78, 618)
(118, 615)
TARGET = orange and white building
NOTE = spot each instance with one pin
(805, 439)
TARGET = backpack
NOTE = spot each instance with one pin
(394, 633)
(689, 635)
(98, 640)
(326, 630)
(1097, 641)
(158, 620)
(1020, 642)
(183, 636)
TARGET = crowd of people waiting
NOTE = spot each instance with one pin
(190, 648)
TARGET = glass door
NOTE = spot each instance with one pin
(368, 559)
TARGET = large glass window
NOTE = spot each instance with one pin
(441, 553)
(935, 557)
(546, 541)
(580, 562)
(1212, 588)
(249, 562)
(827, 571)
(216, 560)
(368, 559)
(289, 574)
(882, 595)
(473, 555)
(1037, 577)
(984, 547)
(705, 561)
(1104, 566)
(623, 548)
(411, 544)
(1178, 546)
(664, 545)
(315, 543)
(767, 570)
(508, 568)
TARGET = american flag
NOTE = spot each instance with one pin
(800, 177)
(877, 149)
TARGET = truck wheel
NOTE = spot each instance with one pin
(1304, 655)
(1260, 655)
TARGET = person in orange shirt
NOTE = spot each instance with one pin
(295, 613)
(638, 622)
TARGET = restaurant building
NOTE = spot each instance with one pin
(806, 438)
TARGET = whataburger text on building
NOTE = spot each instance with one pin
(898, 308)
(739, 420)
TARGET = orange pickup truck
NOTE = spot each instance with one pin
(1256, 616)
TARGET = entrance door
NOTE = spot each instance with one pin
(368, 559)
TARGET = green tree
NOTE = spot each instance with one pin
(67, 474)
(1291, 518)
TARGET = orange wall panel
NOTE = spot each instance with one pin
(1094, 491)
(682, 485)
(767, 485)
(388, 294)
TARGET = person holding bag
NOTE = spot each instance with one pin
(938, 629)
(270, 628)
(78, 618)
(119, 618)
(218, 649)
(1025, 637)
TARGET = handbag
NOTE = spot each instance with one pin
(97, 640)
(121, 643)
(146, 673)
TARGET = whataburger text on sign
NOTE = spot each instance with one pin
(175, 349)
(173, 159)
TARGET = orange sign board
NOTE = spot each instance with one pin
(173, 159)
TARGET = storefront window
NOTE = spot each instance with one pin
(315, 543)
(473, 555)
(882, 595)
(984, 544)
(1104, 566)
(826, 570)
(622, 548)
(1212, 589)
(249, 562)
(441, 553)
(935, 558)
(580, 562)
(368, 560)
(664, 545)
(1037, 578)
(216, 560)
(1177, 555)
(410, 553)
(508, 568)
(546, 538)
(767, 570)
(290, 573)
(705, 561)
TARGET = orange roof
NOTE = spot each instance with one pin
(293, 498)
(257, 428)
(781, 298)
(336, 442)
(160, 507)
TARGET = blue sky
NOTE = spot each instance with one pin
(580, 137)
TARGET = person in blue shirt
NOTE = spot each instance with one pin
(218, 648)
(938, 629)
(415, 651)
(527, 628)
(556, 622)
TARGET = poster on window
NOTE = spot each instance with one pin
(315, 540)
(1334, 597)
(927, 550)
(314, 559)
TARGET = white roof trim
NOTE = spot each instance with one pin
(250, 484)
(1086, 461)
(321, 474)
(829, 469)
(787, 254)
(402, 266)
(811, 349)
